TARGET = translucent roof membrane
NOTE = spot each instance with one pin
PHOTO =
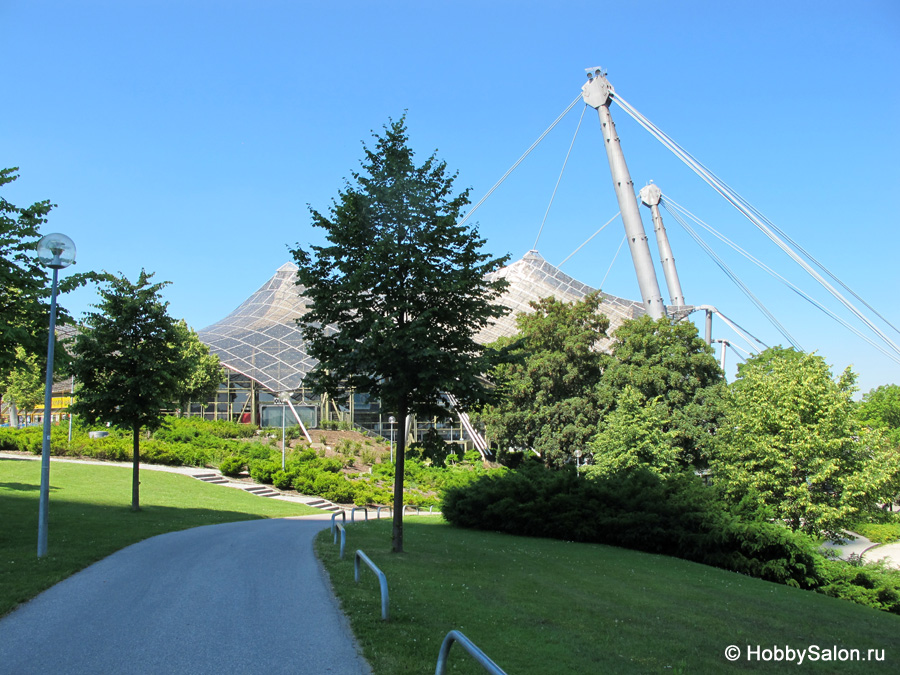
(261, 339)
(533, 278)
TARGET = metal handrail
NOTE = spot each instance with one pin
(378, 511)
(382, 580)
(411, 506)
(358, 508)
(343, 537)
(335, 515)
(483, 660)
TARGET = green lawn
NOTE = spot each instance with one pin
(91, 517)
(543, 606)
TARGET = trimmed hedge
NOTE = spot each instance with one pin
(676, 516)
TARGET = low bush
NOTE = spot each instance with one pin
(232, 466)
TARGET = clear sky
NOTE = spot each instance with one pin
(190, 137)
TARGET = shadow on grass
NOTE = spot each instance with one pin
(24, 487)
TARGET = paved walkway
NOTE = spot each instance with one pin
(869, 551)
(184, 602)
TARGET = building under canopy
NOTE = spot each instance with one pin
(264, 353)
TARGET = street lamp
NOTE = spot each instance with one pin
(391, 420)
(284, 396)
(55, 251)
(577, 454)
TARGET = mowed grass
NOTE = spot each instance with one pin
(544, 606)
(90, 517)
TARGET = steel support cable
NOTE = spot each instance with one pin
(621, 244)
(669, 202)
(521, 159)
(822, 267)
(736, 280)
(602, 227)
(740, 330)
(561, 171)
(751, 214)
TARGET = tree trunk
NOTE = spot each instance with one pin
(136, 469)
(399, 465)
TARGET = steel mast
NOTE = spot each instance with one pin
(597, 93)
(650, 195)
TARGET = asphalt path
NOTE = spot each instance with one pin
(247, 597)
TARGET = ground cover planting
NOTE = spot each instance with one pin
(340, 465)
(90, 518)
(545, 606)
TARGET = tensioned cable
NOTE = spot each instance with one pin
(740, 330)
(589, 238)
(736, 280)
(621, 244)
(750, 213)
(519, 161)
(668, 201)
(556, 187)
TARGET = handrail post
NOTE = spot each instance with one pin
(378, 511)
(483, 660)
(335, 515)
(343, 538)
(358, 508)
(382, 580)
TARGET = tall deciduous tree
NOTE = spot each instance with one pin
(205, 373)
(24, 283)
(547, 398)
(880, 408)
(129, 363)
(791, 445)
(23, 387)
(400, 290)
(669, 364)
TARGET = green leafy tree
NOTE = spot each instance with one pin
(672, 367)
(24, 283)
(205, 373)
(23, 387)
(880, 409)
(636, 434)
(546, 389)
(397, 295)
(129, 363)
(791, 445)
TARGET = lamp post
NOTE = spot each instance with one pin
(391, 420)
(283, 397)
(577, 454)
(55, 251)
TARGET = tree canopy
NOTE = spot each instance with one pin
(671, 368)
(204, 372)
(400, 290)
(880, 409)
(791, 445)
(24, 283)
(129, 363)
(547, 398)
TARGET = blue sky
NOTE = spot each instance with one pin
(189, 137)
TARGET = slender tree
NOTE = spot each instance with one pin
(398, 293)
(129, 362)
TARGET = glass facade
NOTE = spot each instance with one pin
(265, 356)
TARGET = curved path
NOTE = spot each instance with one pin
(247, 597)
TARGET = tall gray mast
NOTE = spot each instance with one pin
(597, 93)
(650, 195)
